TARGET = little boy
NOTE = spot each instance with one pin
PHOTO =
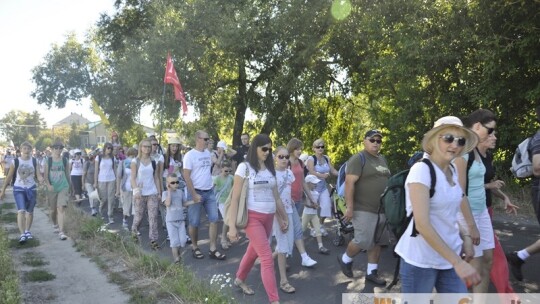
(174, 200)
(222, 186)
(310, 212)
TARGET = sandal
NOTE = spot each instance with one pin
(286, 287)
(245, 289)
(197, 253)
(154, 245)
(214, 254)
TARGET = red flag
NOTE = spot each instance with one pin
(172, 78)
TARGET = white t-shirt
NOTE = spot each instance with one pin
(174, 167)
(260, 197)
(175, 212)
(126, 179)
(106, 170)
(315, 194)
(26, 173)
(199, 163)
(284, 180)
(145, 178)
(76, 166)
(443, 209)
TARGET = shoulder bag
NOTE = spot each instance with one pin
(242, 215)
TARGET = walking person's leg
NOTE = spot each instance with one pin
(152, 205)
(111, 198)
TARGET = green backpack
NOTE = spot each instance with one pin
(393, 201)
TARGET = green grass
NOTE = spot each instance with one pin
(9, 217)
(38, 275)
(163, 280)
(14, 243)
(33, 259)
(9, 280)
(7, 206)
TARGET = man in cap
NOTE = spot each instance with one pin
(366, 176)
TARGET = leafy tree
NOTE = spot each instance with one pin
(19, 126)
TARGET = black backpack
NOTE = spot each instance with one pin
(306, 171)
(16, 167)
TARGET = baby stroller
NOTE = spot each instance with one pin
(338, 210)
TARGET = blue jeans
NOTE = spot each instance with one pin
(297, 225)
(422, 280)
(299, 207)
(208, 201)
(25, 199)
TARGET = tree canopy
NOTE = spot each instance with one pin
(330, 69)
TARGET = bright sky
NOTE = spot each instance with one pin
(28, 28)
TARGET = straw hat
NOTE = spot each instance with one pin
(451, 122)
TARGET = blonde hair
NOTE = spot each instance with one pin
(318, 141)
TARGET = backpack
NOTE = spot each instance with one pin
(394, 204)
(306, 171)
(522, 160)
(16, 167)
(340, 185)
(154, 165)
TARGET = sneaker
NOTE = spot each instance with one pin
(111, 221)
(323, 250)
(515, 264)
(94, 212)
(22, 239)
(323, 231)
(308, 262)
(28, 235)
(63, 237)
(312, 233)
(375, 279)
(345, 268)
(125, 224)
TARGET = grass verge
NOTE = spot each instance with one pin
(9, 281)
(33, 259)
(38, 275)
(145, 276)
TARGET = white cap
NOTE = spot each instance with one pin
(310, 178)
(222, 145)
(77, 151)
(303, 158)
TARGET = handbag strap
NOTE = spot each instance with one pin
(284, 182)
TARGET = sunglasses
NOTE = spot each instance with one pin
(319, 147)
(227, 171)
(490, 130)
(283, 156)
(154, 144)
(372, 140)
(449, 138)
(108, 148)
(205, 138)
(266, 149)
(174, 183)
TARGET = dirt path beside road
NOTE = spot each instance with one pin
(77, 279)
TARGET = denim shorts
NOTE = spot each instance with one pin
(296, 225)
(422, 280)
(25, 199)
(209, 203)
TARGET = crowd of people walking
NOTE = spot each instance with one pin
(449, 245)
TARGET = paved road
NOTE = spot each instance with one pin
(325, 283)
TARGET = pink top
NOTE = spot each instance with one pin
(297, 186)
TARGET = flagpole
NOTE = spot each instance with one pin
(161, 113)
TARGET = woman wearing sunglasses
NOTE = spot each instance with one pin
(472, 170)
(320, 165)
(263, 202)
(432, 258)
(105, 180)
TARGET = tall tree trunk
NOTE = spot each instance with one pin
(241, 104)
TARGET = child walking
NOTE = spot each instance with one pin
(174, 200)
(222, 186)
(310, 212)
